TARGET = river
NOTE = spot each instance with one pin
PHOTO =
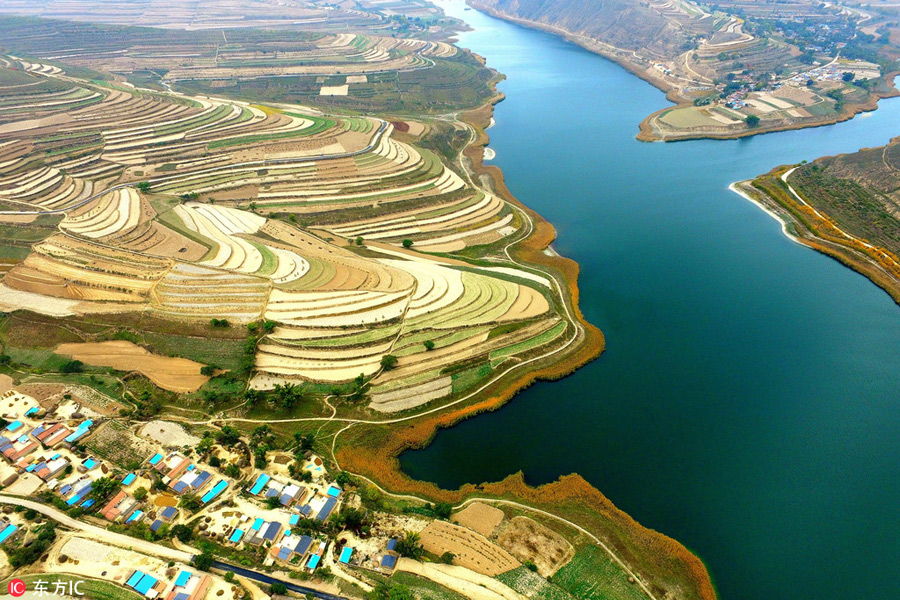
(746, 404)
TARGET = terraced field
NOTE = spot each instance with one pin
(332, 232)
(377, 65)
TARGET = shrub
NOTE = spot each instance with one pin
(278, 588)
(72, 366)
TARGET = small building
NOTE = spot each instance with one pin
(326, 509)
(88, 464)
(260, 484)
(144, 584)
(51, 435)
(48, 469)
(14, 448)
(82, 430)
(173, 466)
(214, 492)
(267, 532)
(121, 506)
(190, 586)
(191, 481)
(7, 530)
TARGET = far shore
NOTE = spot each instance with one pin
(646, 132)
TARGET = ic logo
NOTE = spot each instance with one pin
(16, 587)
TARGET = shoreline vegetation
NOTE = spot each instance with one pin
(807, 225)
(372, 452)
(647, 132)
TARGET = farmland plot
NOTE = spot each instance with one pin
(202, 208)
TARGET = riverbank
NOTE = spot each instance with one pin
(808, 226)
(648, 131)
(660, 562)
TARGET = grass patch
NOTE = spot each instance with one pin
(223, 353)
(532, 585)
(593, 575)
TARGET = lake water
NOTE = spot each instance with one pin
(747, 402)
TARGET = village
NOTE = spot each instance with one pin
(291, 517)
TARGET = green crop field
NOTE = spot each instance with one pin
(592, 575)
(531, 585)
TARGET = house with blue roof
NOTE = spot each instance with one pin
(190, 586)
(7, 529)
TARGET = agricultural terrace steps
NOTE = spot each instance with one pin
(256, 163)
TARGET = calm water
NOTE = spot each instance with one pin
(747, 404)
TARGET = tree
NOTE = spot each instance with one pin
(278, 588)
(273, 502)
(848, 77)
(359, 241)
(144, 186)
(229, 436)
(443, 510)
(140, 494)
(429, 345)
(352, 519)
(190, 502)
(752, 120)
(184, 533)
(305, 441)
(72, 366)
(409, 545)
(407, 243)
(232, 470)
(208, 370)
(390, 591)
(447, 558)
(29, 555)
(229, 576)
(531, 566)
(205, 444)
(203, 561)
(289, 395)
(259, 456)
(388, 362)
(103, 488)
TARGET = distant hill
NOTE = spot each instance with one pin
(626, 24)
